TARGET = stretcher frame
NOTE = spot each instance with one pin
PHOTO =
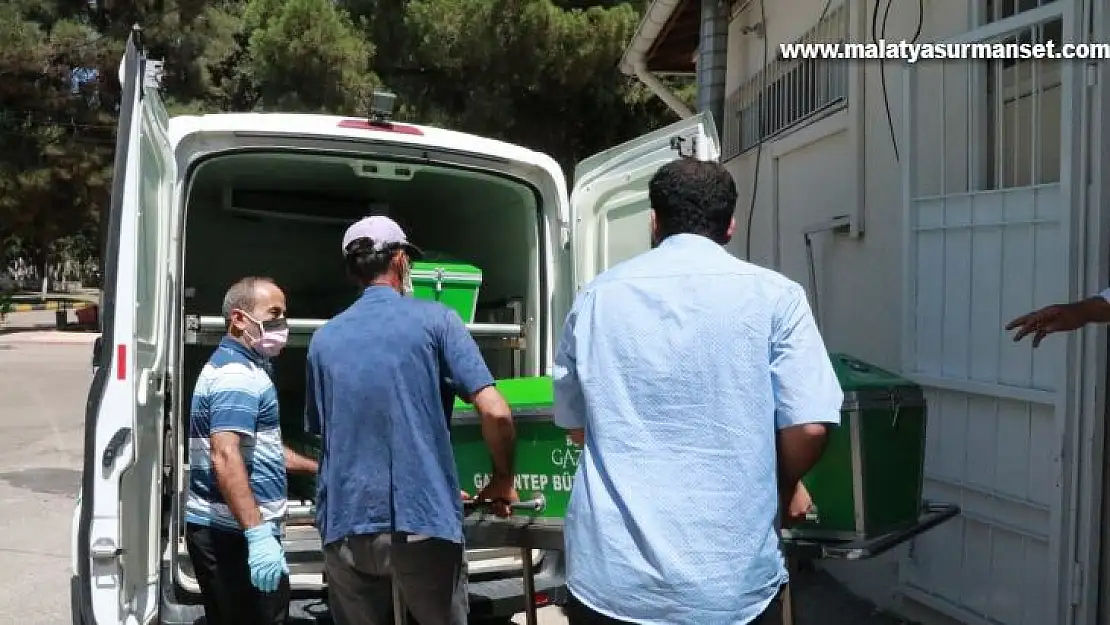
(210, 330)
(807, 549)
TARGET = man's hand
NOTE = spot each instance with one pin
(577, 436)
(298, 463)
(501, 492)
(1059, 318)
(795, 509)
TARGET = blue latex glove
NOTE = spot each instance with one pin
(265, 557)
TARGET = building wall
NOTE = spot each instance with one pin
(809, 175)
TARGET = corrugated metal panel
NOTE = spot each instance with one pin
(987, 236)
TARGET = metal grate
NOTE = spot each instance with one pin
(1023, 113)
(787, 92)
(991, 124)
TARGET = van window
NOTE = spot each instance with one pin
(625, 232)
(147, 259)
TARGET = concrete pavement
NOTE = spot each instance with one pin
(42, 397)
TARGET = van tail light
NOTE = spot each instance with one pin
(542, 599)
(121, 361)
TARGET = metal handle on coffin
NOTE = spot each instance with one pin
(304, 513)
(538, 502)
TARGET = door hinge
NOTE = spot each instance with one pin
(1077, 583)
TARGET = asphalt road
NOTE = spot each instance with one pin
(42, 397)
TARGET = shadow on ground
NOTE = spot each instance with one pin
(45, 480)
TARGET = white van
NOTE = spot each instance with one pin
(198, 202)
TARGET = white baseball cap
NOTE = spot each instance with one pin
(383, 232)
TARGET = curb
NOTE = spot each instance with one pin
(48, 337)
(18, 308)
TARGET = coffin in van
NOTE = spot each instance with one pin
(454, 284)
(199, 202)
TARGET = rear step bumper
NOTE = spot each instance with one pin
(496, 598)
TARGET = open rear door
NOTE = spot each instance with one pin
(118, 530)
(609, 201)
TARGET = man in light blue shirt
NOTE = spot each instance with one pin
(702, 387)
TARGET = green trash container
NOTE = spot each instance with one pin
(455, 284)
(546, 459)
(869, 480)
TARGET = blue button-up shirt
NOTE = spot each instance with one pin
(680, 364)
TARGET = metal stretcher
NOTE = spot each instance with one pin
(521, 533)
(528, 534)
(537, 503)
(801, 549)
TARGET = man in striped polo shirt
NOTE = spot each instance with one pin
(238, 464)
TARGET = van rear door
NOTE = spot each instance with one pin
(609, 201)
(118, 531)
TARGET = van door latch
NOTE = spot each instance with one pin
(112, 449)
(104, 549)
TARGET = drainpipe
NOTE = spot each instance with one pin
(634, 62)
(712, 56)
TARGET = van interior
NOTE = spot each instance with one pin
(282, 215)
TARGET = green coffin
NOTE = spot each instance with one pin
(546, 460)
(869, 480)
(454, 284)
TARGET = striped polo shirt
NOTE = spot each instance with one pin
(234, 393)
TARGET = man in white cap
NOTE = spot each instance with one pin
(388, 492)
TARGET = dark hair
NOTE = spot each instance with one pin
(694, 197)
(243, 295)
(365, 263)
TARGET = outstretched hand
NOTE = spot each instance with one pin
(1049, 320)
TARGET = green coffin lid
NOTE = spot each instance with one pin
(859, 380)
(452, 269)
(523, 394)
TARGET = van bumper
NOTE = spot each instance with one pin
(489, 598)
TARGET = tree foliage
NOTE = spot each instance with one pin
(541, 73)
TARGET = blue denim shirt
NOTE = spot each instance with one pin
(374, 394)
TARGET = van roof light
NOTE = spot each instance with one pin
(381, 106)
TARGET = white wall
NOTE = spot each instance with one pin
(809, 175)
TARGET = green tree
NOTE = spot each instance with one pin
(56, 123)
(307, 55)
(527, 71)
(541, 73)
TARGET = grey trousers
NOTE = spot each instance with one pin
(430, 572)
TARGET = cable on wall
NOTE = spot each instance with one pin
(759, 145)
(879, 32)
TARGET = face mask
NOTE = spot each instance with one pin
(273, 335)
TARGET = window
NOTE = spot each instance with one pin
(148, 259)
(785, 94)
(1023, 111)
